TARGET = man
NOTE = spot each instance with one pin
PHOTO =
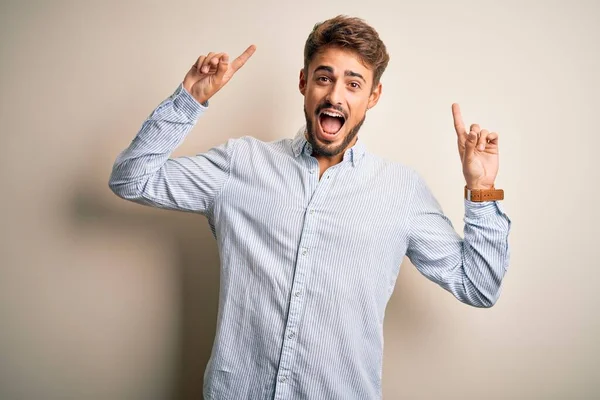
(312, 230)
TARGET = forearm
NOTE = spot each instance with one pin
(471, 268)
(485, 253)
(160, 134)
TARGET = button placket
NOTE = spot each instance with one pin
(319, 189)
(292, 324)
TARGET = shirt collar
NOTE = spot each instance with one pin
(301, 145)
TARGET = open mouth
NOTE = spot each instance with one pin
(331, 121)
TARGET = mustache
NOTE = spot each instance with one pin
(327, 104)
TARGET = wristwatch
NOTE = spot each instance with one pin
(479, 195)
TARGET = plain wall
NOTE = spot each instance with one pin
(103, 299)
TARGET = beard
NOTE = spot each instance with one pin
(324, 149)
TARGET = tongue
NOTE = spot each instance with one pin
(330, 124)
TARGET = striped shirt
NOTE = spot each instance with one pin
(308, 264)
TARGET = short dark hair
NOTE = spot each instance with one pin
(349, 33)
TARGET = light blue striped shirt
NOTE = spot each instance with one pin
(307, 264)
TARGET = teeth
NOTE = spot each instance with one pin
(333, 114)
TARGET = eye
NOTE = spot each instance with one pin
(323, 79)
(355, 85)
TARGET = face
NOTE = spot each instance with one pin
(338, 91)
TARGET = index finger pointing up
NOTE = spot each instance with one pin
(459, 125)
(241, 60)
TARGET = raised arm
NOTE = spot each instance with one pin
(145, 173)
(471, 268)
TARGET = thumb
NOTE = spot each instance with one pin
(470, 145)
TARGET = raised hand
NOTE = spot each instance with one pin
(478, 149)
(211, 72)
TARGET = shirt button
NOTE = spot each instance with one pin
(282, 379)
(312, 211)
(304, 252)
(297, 294)
(291, 335)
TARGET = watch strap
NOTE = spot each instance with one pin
(479, 195)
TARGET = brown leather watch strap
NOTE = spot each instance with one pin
(479, 195)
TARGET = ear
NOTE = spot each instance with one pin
(374, 96)
(302, 82)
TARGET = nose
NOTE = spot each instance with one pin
(336, 93)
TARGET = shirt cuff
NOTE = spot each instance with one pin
(187, 104)
(475, 210)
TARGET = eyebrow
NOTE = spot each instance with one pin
(346, 73)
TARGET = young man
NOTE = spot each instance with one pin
(312, 230)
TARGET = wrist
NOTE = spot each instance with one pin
(200, 99)
(479, 186)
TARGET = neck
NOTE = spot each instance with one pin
(329, 161)
(326, 162)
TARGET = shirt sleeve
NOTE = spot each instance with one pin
(472, 268)
(144, 172)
